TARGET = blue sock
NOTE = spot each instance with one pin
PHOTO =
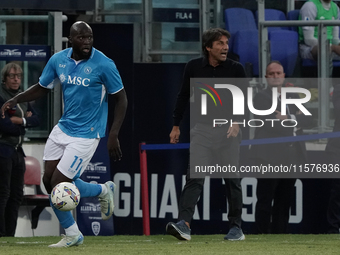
(87, 189)
(65, 218)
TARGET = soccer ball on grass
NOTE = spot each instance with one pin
(65, 196)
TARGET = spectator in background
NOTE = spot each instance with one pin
(268, 218)
(12, 162)
(333, 151)
(308, 35)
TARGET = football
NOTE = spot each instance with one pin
(65, 196)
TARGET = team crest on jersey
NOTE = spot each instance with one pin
(87, 70)
(62, 78)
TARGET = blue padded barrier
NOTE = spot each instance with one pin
(285, 139)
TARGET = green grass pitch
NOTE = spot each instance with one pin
(164, 244)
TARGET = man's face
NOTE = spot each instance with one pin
(219, 50)
(82, 41)
(275, 75)
(13, 79)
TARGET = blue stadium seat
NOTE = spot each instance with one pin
(272, 14)
(284, 47)
(293, 15)
(237, 19)
(246, 45)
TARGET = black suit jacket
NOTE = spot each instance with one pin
(277, 153)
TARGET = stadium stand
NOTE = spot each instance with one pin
(308, 65)
(241, 24)
(237, 19)
(246, 44)
(293, 15)
(284, 47)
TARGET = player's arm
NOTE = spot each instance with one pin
(335, 33)
(34, 92)
(309, 12)
(113, 145)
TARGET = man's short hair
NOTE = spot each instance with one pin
(211, 35)
(272, 62)
(7, 68)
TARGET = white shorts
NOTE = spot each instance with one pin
(306, 52)
(74, 152)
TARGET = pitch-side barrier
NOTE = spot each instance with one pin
(143, 147)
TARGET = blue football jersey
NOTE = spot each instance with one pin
(85, 85)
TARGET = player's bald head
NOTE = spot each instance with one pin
(79, 26)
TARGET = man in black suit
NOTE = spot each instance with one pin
(333, 151)
(214, 64)
(268, 218)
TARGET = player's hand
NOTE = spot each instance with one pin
(7, 105)
(233, 130)
(174, 135)
(113, 148)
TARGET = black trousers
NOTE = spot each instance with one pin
(210, 146)
(274, 198)
(273, 218)
(333, 210)
(12, 170)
